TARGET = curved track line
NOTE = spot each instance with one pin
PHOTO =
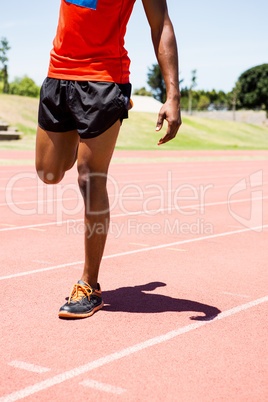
(140, 250)
(68, 375)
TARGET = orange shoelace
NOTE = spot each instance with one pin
(78, 292)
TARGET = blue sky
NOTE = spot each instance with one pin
(218, 39)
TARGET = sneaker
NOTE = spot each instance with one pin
(83, 301)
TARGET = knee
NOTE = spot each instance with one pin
(49, 177)
(91, 182)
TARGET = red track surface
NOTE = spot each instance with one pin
(161, 276)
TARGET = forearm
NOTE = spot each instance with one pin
(167, 55)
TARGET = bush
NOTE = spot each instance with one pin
(24, 86)
(142, 92)
(253, 88)
(203, 102)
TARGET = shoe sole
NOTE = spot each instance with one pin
(66, 314)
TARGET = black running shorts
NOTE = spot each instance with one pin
(88, 106)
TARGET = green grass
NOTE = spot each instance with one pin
(138, 132)
(16, 162)
(195, 134)
(21, 112)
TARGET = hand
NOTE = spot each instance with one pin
(171, 112)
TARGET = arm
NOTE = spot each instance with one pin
(165, 46)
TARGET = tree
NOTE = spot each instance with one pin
(142, 92)
(157, 83)
(4, 47)
(24, 86)
(254, 88)
(235, 97)
(219, 99)
(203, 102)
(193, 84)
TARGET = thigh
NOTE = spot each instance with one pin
(55, 152)
(94, 154)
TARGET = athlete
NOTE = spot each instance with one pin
(83, 101)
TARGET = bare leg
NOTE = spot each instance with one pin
(55, 153)
(94, 157)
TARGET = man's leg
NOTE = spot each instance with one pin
(55, 153)
(93, 161)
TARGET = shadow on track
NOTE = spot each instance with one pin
(133, 299)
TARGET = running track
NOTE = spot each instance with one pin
(184, 281)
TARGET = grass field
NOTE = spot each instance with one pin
(138, 132)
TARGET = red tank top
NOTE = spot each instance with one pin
(89, 44)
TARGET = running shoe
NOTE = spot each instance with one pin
(83, 301)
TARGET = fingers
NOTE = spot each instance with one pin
(160, 121)
(170, 111)
(173, 127)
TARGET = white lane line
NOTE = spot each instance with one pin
(114, 177)
(35, 271)
(8, 204)
(234, 294)
(103, 387)
(184, 179)
(110, 195)
(68, 375)
(15, 188)
(139, 250)
(227, 170)
(150, 212)
(28, 366)
(40, 224)
(22, 188)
